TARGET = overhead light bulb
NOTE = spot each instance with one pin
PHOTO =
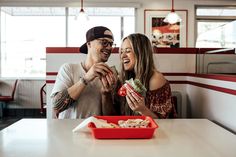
(172, 17)
(82, 16)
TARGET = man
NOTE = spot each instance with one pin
(85, 89)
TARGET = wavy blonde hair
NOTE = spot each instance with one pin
(144, 65)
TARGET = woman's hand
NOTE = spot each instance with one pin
(135, 102)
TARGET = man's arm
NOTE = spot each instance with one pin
(65, 92)
(75, 90)
(61, 101)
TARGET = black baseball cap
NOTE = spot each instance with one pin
(95, 33)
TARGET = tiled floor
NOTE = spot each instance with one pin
(6, 121)
(13, 115)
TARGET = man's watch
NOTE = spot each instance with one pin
(82, 79)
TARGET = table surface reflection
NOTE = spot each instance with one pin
(174, 137)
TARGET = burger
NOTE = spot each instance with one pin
(134, 86)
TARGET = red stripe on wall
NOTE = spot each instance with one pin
(175, 74)
(204, 50)
(115, 50)
(157, 50)
(51, 73)
(178, 82)
(160, 50)
(50, 81)
(230, 78)
(215, 88)
(70, 50)
(62, 50)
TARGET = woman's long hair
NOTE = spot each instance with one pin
(144, 65)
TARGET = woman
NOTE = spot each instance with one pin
(136, 55)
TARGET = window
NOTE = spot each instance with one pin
(27, 31)
(119, 20)
(215, 27)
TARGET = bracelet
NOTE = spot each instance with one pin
(84, 81)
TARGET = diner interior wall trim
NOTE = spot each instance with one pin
(159, 50)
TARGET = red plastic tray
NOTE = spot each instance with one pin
(123, 133)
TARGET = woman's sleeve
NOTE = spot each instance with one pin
(159, 102)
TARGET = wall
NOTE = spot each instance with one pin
(213, 99)
(217, 63)
(207, 96)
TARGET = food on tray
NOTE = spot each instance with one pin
(133, 86)
(134, 123)
(130, 123)
(105, 124)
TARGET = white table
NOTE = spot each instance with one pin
(173, 138)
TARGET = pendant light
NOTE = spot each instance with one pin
(82, 15)
(172, 17)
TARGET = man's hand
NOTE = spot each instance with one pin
(108, 82)
(97, 70)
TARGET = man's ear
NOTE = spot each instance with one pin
(88, 44)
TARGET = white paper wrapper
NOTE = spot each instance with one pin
(83, 127)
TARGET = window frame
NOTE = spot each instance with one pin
(211, 18)
(66, 8)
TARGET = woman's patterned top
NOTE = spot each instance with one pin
(159, 101)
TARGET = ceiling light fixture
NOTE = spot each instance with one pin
(172, 17)
(82, 15)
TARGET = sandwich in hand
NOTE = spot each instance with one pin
(134, 86)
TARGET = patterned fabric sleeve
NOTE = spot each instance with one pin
(159, 102)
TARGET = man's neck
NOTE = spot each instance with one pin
(88, 63)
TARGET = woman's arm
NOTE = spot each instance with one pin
(157, 103)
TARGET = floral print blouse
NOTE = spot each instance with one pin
(159, 101)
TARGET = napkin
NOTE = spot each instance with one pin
(83, 127)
